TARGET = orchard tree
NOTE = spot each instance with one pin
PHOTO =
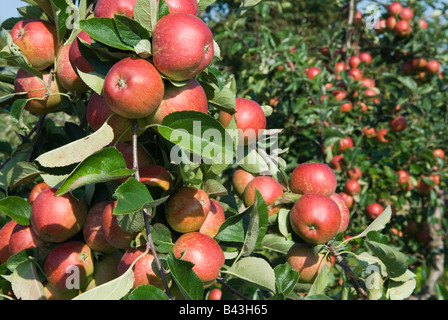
(154, 151)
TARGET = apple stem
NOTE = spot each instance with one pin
(146, 215)
(349, 272)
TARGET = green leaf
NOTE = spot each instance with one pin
(132, 222)
(17, 208)
(321, 282)
(147, 292)
(161, 236)
(286, 277)
(93, 80)
(105, 165)
(277, 243)
(21, 172)
(25, 282)
(246, 5)
(64, 8)
(16, 112)
(130, 31)
(105, 31)
(394, 260)
(186, 279)
(146, 13)
(401, 290)
(408, 82)
(378, 224)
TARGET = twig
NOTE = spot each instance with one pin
(348, 35)
(37, 128)
(235, 292)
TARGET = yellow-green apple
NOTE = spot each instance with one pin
(269, 188)
(315, 218)
(23, 237)
(313, 178)
(373, 210)
(187, 209)
(345, 212)
(204, 252)
(93, 231)
(40, 102)
(215, 218)
(133, 88)
(183, 6)
(107, 8)
(38, 188)
(67, 76)
(5, 235)
(352, 187)
(113, 233)
(182, 46)
(37, 41)
(240, 179)
(76, 59)
(250, 120)
(57, 218)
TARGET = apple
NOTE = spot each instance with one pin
(107, 8)
(133, 88)
(5, 235)
(38, 188)
(403, 28)
(352, 187)
(215, 218)
(155, 176)
(215, 294)
(250, 120)
(269, 188)
(406, 14)
(69, 263)
(182, 46)
(354, 61)
(419, 63)
(435, 177)
(37, 40)
(370, 94)
(365, 57)
(347, 198)
(403, 176)
(337, 162)
(339, 95)
(354, 173)
(183, 6)
(391, 22)
(187, 209)
(423, 187)
(57, 218)
(380, 26)
(373, 210)
(51, 293)
(355, 74)
(143, 272)
(346, 107)
(240, 179)
(438, 153)
(35, 89)
(105, 269)
(340, 66)
(312, 72)
(407, 68)
(394, 8)
(313, 178)
(93, 232)
(204, 252)
(381, 136)
(67, 76)
(398, 124)
(345, 143)
(369, 132)
(364, 107)
(23, 237)
(75, 56)
(315, 218)
(344, 211)
(433, 66)
(303, 259)
(423, 24)
(189, 97)
(113, 233)
(368, 83)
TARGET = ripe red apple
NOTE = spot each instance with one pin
(269, 188)
(187, 209)
(191, 96)
(37, 41)
(352, 187)
(354, 173)
(339, 94)
(406, 14)
(346, 107)
(403, 176)
(93, 231)
(398, 124)
(107, 8)
(240, 179)
(23, 237)
(394, 8)
(407, 68)
(355, 74)
(303, 259)
(419, 63)
(344, 210)
(365, 57)
(435, 177)
(113, 233)
(215, 218)
(373, 210)
(312, 72)
(155, 176)
(133, 88)
(380, 26)
(423, 24)
(68, 263)
(35, 88)
(381, 135)
(183, 6)
(337, 162)
(250, 120)
(315, 218)
(345, 143)
(369, 132)
(433, 66)
(354, 61)
(439, 153)
(313, 178)
(204, 252)
(403, 28)
(38, 188)
(57, 218)
(423, 187)
(347, 198)
(5, 235)
(340, 66)
(143, 272)
(182, 46)
(67, 76)
(75, 56)
(215, 294)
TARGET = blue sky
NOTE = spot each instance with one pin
(9, 8)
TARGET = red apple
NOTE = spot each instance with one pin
(313, 178)
(337, 162)
(406, 14)
(345, 143)
(380, 26)
(433, 66)
(203, 251)
(345, 212)
(354, 173)
(5, 235)
(35, 89)
(303, 259)
(113, 233)
(215, 294)
(315, 218)
(215, 218)
(394, 8)
(419, 63)
(403, 176)
(368, 83)
(346, 107)
(339, 94)
(187, 209)
(355, 74)
(107, 8)
(156, 176)
(269, 188)
(439, 153)
(373, 210)
(191, 96)
(381, 135)
(369, 132)
(75, 56)
(423, 187)
(340, 66)
(93, 232)
(403, 28)
(23, 237)
(69, 264)
(182, 46)
(250, 120)
(133, 88)
(37, 41)
(57, 218)
(67, 76)
(407, 67)
(312, 72)
(365, 57)
(352, 187)
(38, 188)
(398, 124)
(347, 198)
(423, 24)
(183, 6)
(391, 23)
(354, 61)
(240, 179)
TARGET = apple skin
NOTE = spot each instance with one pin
(250, 120)
(403, 28)
(423, 24)
(133, 88)
(76, 59)
(67, 76)
(345, 143)
(433, 66)
(60, 261)
(354, 61)
(394, 8)
(381, 136)
(204, 252)
(373, 210)
(37, 41)
(57, 218)
(182, 46)
(365, 57)
(398, 124)
(187, 209)
(439, 153)
(38, 188)
(338, 162)
(313, 178)
(347, 198)
(315, 218)
(215, 294)
(352, 187)
(215, 218)
(346, 107)
(26, 82)
(406, 14)
(240, 179)
(23, 237)
(93, 231)
(5, 235)
(403, 176)
(143, 272)
(190, 97)
(354, 173)
(183, 6)
(355, 74)
(156, 176)
(107, 8)
(269, 188)
(312, 72)
(116, 237)
(345, 212)
(302, 258)
(391, 22)
(105, 269)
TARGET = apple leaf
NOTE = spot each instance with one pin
(161, 236)
(394, 260)
(17, 108)
(17, 208)
(146, 13)
(246, 5)
(25, 282)
(286, 278)
(22, 171)
(130, 31)
(321, 282)
(277, 243)
(147, 292)
(93, 80)
(187, 280)
(378, 224)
